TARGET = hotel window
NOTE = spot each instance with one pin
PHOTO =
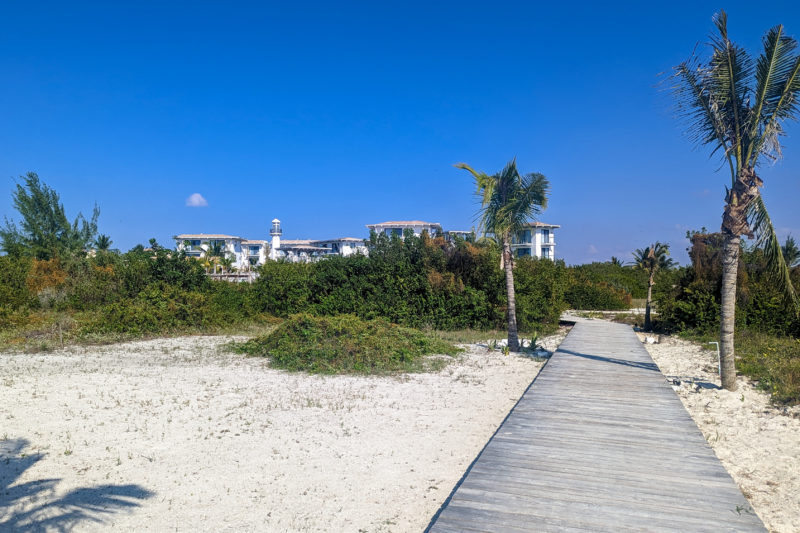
(523, 252)
(546, 253)
(546, 236)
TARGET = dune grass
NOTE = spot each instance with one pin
(772, 361)
(346, 344)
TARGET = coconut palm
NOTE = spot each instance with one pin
(652, 259)
(616, 261)
(215, 252)
(791, 253)
(508, 201)
(738, 107)
(226, 263)
(102, 242)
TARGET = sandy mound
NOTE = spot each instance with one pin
(758, 443)
(176, 434)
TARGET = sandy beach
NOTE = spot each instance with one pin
(180, 435)
(758, 443)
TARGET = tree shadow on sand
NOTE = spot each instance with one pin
(33, 506)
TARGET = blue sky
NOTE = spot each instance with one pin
(331, 116)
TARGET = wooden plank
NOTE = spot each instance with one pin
(599, 442)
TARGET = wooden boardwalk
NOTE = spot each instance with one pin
(598, 442)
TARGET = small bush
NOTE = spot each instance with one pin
(345, 344)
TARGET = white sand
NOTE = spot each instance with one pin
(758, 443)
(178, 435)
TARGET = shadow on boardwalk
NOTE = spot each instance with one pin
(32, 507)
(625, 362)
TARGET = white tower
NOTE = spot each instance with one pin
(276, 233)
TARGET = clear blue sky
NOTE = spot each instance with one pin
(331, 116)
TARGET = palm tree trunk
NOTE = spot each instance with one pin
(513, 339)
(730, 265)
(647, 324)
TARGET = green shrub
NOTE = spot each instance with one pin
(539, 289)
(630, 280)
(345, 344)
(14, 291)
(598, 296)
(160, 308)
(691, 305)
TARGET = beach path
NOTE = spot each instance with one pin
(598, 442)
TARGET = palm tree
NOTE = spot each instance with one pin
(651, 260)
(226, 263)
(616, 261)
(791, 253)
(508, 201)
(738, 107)
(102, 242)
(215, 252)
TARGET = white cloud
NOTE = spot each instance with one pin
(196, 200)
(592, 249)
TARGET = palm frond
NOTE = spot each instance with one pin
(508, 200)
(768, 241)
(775, 70)
(704, 121)
(730, 71)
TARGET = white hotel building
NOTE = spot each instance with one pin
(537, 240)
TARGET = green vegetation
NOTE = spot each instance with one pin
(772, 361)
(346, 344)
(413, 281)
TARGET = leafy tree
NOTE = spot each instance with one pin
(44, 231)
(102, 242)
(791, 253)
(508, 201)
(616, 261)
(652, 259)
(738, 107)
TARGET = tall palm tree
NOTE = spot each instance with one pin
(508, 201)
(652, 259)
(791, 253)
(738, 107)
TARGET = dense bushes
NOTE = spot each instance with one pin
(540, 285)
(413, 281)
(691, 299)
(597, 296)
(345, 344)
(621, 279)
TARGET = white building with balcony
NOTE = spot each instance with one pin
(244, 252)
(396, 227)
(536, 240)
(305, 250)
